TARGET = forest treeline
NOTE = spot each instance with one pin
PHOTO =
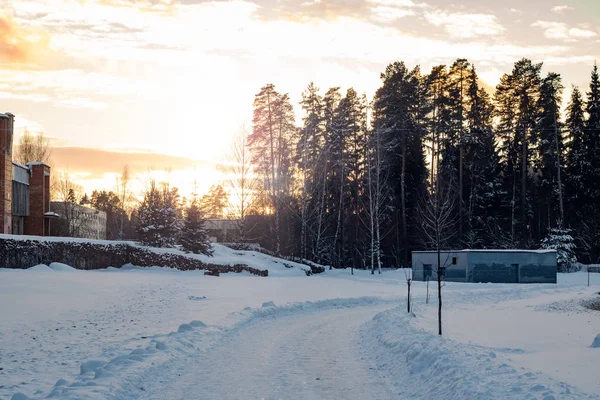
(352, 185)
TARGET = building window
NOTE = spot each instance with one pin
(427, 270)
(453, 260)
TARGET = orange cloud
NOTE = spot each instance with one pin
(20, 45)
(96, 162)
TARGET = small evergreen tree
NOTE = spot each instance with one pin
(560, 239)
(193, 237)
(157, 216)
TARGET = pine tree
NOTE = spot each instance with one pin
(193, 237)
(351, 126)
(550, 155)
(329, 221)
(310, 161)
(577, 164)
(158, 223)
(273, 138)
(214, 202)
(454, 149)
(592, 138)
(588, 210)
(398, 116)
(482, 181)
(516, 101)
(560, 239)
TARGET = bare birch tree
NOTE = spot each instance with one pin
(438, 218)
(240, 182)
(377, 197)
(126, 199)
(68, 195)
(33, 148)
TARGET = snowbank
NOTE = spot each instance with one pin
(61, 267)
(596, 342)
(40, 268)
(428, 366)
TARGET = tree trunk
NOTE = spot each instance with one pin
(439, 282)
(408, 304)
(273, 183)
(460, 193)
(524, 185)
(558, 165)
(339, 217)
(403, 203)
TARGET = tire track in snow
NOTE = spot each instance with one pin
(311, 356)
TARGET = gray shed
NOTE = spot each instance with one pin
(497, 266)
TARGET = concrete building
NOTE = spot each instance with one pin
(221, 230)
(78, 221)
(498, 266)
(24, 189)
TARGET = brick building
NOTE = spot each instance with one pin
(24, 189)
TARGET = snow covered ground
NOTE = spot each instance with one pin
(157, 333)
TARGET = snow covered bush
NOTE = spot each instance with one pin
(560, 239)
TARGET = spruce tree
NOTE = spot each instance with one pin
(560, 239)
(592, 139)
(193, 237)
(310, 159)
(577, 164)
(550, 155)
(158, 223)
(516, 101)
(482, 180)
(399, 110)
(454, 149)
(333, 176)
(588, 213)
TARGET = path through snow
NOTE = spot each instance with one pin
(312, 356)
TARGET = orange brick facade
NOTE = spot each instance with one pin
(6, 133)
(39, 201)
(36, 223)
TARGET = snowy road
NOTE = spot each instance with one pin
(312, 356)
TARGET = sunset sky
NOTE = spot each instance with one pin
(169, 82)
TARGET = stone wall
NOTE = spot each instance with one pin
(89, 255)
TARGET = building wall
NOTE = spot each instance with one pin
(24, 191)
(20, 192)
(6, 139)
(487, 266)
(78, 221)
(424, 265)
(221, 230)
(512, 267)
(39, 200)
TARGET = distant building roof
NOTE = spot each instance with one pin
(29, 164)
(540, 251)
(222, 223)
(19, 165)
(78, 207)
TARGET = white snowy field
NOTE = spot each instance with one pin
(156, 333)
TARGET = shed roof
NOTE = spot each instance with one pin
(540, 251)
